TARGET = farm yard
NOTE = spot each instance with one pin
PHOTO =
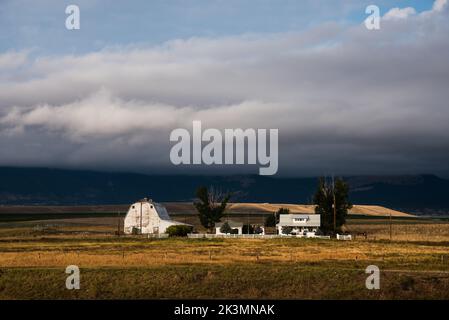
(34, 253)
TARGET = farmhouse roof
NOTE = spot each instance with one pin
(312, 220)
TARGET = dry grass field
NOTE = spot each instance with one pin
(413, 231)
(367, 210)
(34, 255)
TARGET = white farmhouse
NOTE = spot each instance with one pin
(301, 224)
(148, 217)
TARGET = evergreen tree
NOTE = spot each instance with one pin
(225, 228)
(273, 219)
(270, 221)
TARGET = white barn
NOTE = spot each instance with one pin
(301, 224)
(148, 217)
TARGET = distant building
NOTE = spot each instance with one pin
(233, 224)
(148, 217)
(300, 224)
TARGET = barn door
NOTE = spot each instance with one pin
(145, 217)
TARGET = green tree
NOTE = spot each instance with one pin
(211, 206)
(328, 193)
(225, 228)
(270, 221)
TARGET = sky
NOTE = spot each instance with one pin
(346, 100)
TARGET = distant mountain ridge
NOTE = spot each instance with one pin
(425, 194)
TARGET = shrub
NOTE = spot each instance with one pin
(179, 230)
(286, 230)
(234, 231)
(258, 230)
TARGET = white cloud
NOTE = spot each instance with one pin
(97, 115)
(398, 13)
(439, 5)
(11, 60)
(404, 13)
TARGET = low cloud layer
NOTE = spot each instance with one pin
(345, 100)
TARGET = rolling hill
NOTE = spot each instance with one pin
(421, 194)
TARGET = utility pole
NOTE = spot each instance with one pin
(335, 205)
(118, 223)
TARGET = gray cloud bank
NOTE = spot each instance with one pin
(346, 100)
